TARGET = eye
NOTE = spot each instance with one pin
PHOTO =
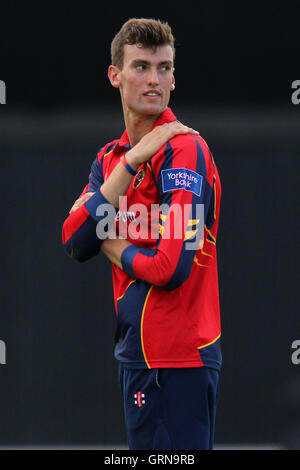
(140, 67)
(165, 68)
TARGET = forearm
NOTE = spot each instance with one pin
(153, 266)
(113, 249)
(157, 267)
(79, 234)
(119, 180)
(80, 231)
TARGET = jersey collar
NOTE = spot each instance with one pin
(166, 116)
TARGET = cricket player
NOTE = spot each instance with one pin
(152, 207)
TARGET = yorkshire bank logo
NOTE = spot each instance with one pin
(181, 178)
(2, 92)
(2, 352)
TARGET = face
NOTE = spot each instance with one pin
(146, 79)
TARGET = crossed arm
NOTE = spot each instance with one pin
(119, 180)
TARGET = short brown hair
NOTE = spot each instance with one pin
(147, 32)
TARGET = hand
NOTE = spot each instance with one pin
(79, 202)
(154, 140)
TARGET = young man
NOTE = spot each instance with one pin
(164, 256)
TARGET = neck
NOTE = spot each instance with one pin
(138, 125)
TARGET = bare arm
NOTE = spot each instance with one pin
(119, 180)
(113, 249)
(79, 237)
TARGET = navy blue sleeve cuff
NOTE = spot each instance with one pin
(127, 259)
(107, 208)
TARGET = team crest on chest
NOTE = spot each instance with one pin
(139, 178)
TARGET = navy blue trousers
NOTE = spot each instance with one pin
(169, 409)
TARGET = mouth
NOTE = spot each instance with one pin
(152, 94)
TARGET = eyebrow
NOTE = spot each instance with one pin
(146, 62)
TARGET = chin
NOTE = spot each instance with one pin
(151, 109)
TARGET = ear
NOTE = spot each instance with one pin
(173, 81)
(113, 75)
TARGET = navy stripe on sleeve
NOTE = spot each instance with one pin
(127, 259)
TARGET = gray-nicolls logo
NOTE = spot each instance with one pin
(2, 352)
(2, 92)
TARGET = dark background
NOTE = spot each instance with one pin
(55, 54)
(234, 69)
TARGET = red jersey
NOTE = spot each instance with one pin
(167, 295)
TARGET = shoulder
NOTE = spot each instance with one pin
(189, 148)
(181, 152)
(189, 143)
(193, 149)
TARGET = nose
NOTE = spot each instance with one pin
(153, 77)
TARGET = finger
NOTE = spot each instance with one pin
(180, 130)
(86, 197)
(185, 128)
(74, 208)
(76, 204)
(193, 131)
(79, 202)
